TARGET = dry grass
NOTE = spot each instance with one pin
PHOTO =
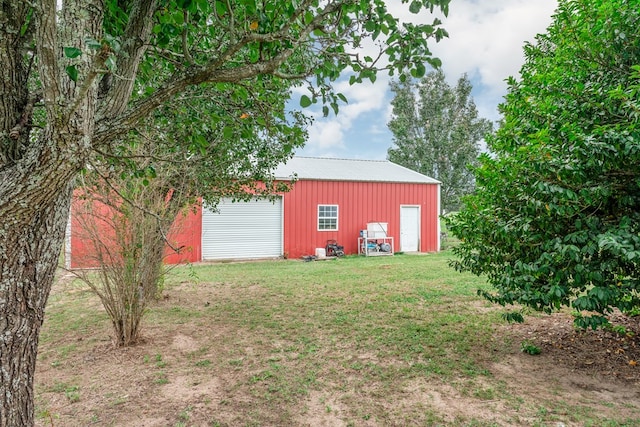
(387, 341)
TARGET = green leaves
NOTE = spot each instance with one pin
(419, 71)
(191, 33)
(305, 101)
(110, 63)
(72, 52)
(555, 218)
(72, 72)
(93, 44)
(111, 43)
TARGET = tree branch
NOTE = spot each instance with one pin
(125, 199)
(15, 132)
(185, 33)
(171, 160)
(48, 54)
(109, 128)
(98, 63)
(134, 42)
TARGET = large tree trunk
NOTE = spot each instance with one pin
(35, 195)
(27, 266)
(37, 170)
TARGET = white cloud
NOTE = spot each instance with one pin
(326, 134)
(486, 41)
(485, 36)
(329, 132)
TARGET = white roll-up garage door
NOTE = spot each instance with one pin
(242, 230)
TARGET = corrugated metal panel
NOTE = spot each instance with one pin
(87, 219)
(359, 203)
(349, 170)
(242, 230)
(184, 234)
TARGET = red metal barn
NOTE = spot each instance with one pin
(333, 199)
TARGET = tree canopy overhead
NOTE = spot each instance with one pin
(555, 219)
(437, 132)
(77, 75)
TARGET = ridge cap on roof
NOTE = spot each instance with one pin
(336, 169)
(342, 158)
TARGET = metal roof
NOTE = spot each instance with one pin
(325, 169)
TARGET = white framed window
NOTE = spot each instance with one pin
(327, 217)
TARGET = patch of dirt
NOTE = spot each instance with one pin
(609, 354)
(451, 404)
(203, 371)
(321, 410)
(184, 344)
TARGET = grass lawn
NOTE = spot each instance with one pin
(380, 341)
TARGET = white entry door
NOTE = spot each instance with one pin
(409, 228)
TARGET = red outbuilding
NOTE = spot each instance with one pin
(365, 206)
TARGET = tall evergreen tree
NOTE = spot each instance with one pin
(437, 132)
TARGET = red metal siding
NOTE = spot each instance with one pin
(85, 222)
(185, 233)
(358, 204)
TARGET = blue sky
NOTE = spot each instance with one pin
(485, 41)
